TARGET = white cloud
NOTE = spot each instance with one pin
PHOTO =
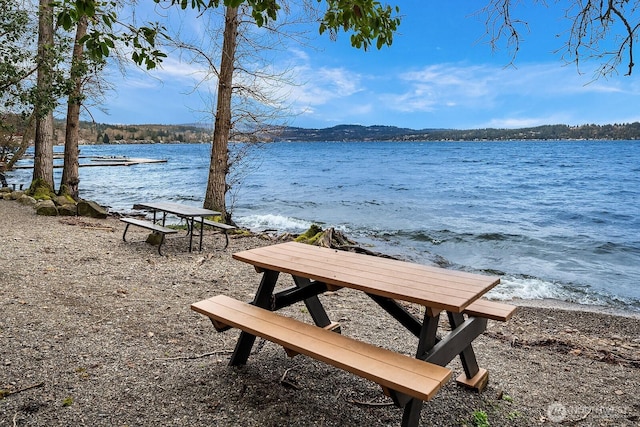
(481, 88)
(323, 85)
(175, 69)
(170, 72)
(138, 82)
(444, 85)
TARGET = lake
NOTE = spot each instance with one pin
(555, 219)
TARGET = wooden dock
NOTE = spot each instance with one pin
(95, 161)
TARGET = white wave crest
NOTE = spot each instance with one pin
(526, 288)
(274, 222)
(511, 287)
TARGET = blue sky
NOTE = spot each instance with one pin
(439, 73)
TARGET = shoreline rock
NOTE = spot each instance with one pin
(58, 206)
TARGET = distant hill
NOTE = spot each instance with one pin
(391, 133)
(97, 133)
(347, 133)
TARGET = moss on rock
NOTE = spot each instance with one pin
(64, 199)
(40, 190)
(311, 235)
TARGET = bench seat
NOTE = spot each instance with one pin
(222, 226)
(148, 225)
(490, 310)
(391, 370)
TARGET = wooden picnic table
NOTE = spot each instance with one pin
(191, 214)
(389, 283)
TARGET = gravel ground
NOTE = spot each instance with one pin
(96, 331)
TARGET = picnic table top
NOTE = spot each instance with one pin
(178, 209)
(433, 287)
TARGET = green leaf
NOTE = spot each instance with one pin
(105, 49)
(67, 22)
(107, 19)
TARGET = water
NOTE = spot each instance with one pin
(554, 219)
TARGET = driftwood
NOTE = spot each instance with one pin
(330, 238)
(5, 393)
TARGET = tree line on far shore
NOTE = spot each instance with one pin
(194, 133)
(630, 131)
(101, 133)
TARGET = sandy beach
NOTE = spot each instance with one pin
(97, 331)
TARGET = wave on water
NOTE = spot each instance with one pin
(519, 287)
(274, 222)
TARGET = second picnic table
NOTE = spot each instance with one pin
(315, 270)
(190, 214)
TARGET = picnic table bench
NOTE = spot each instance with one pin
(408, 381)
(389, 369)
(221, 226)
(156, 228)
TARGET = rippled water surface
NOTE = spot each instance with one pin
(554, 219)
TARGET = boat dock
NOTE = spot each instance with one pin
(95, 161)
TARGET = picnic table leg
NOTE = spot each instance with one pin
(262, 300)
(316, 310)
(474, 377)
(189, 224)
(160, 245)
(124, 235)
(411, 415)
(427, 340)
(399, 313)
(190, 231)
(442, 351)
(428, 334)
(202, 231)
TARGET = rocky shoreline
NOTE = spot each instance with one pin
(58, 205)
(97, 331)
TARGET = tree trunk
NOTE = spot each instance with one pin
(43, 156)
(219, 166)
(24, 145)
(70, 174)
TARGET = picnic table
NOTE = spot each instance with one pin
(191, 214)
(389, 283)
